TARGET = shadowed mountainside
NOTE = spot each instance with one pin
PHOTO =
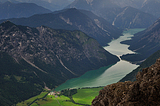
(32, 59)
(145, 43)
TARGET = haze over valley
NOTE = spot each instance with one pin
(63, 52)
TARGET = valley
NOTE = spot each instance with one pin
(32, 59)
(110, 74)
(65, 52)
(95, 78)
(72, 97)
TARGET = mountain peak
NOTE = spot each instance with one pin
(7, 2)
(7, 24)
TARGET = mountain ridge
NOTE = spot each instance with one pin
(64, 19)
(43, 58)
(121, 17)
(17, 10)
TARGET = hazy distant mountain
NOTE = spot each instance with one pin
(73, 19)
(35, 58)
(132, 3)
(152, 7)
(13, 10)
(145, 43)
(127, 17)
(148, 6)
(49, 4)
(13, 1)
(92, 5)
(130, 17)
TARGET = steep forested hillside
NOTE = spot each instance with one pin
(35, 58)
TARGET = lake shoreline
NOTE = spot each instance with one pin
(106, 75)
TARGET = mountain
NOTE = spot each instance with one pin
(126, 17)
(17, 10)
(145, 43)
(148, 6)
(13, 1)
(143, 92)
(147, 63)
(152, 7)
(32, 59)
(130, 17)
(133, 3)
(92, 5)
(52, 5)
(73, 19)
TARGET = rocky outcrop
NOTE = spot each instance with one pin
(143, 92)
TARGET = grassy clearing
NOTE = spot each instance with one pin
(54, 101)
(83, 96)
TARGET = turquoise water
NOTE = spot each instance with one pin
(109, 74)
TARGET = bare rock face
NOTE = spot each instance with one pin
(143, 92)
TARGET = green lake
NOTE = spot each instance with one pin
(109, 74)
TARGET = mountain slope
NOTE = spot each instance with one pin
(143, 92)
(130, 17)
(103, 24)
(52, 5)
(145, 43)
(147, 63)
(148, 6)
(73, 19)
(133, 3)
(126, 17)
(91, 5)
(13, 10)
(36, 58)
(152, 7)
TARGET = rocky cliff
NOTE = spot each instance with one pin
(143, 92)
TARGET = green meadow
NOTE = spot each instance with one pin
(83, 97)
